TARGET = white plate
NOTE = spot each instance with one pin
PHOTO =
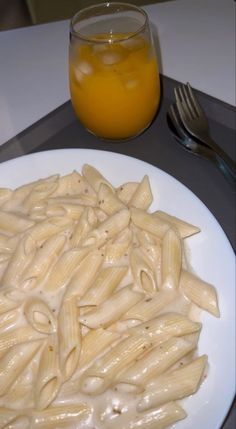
(211, 257)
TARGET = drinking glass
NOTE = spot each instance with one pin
(113, 71)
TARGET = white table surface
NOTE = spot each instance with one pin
(196, 44)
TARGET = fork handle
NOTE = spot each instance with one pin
(223, 167)
(226, 164)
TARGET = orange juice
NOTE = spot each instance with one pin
(115, 88)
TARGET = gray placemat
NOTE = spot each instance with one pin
(61, 129)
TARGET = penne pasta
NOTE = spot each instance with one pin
(97, 378)
(142, 197)
(104, 284)
(72, 184)
(48, 378)
(173, 385)
(153, 363)
(69, 337)
(9, 300)
(125, 191)
(64, 268)
(111, 310)
(39, 316)
(108, 200)
(165, 326)
(40, 192)
(148, 308)
(171, 262)
(97, 322)
(43, 259)
(160, 418)
(146, 221)
(14, 223)
(201, 293)
(80, 200)
(24, 253)
(142, 270)
(10, 417)
(8, 318)
(16, 336)
(184, 229)
(108, 229)
(86, 222)
(13, 363)
(45, 229)
(94, 343)
(95, 178)
(119, 247)
(85, 274)
(72, 211)
(61, 415)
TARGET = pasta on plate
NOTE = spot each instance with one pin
(96, 307)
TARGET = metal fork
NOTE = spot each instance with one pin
(193, 145)
(196, 123)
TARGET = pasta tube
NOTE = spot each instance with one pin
(64, 268)
(85, 274)
(69, 337)
(160, 418)
(72, 211)
(39, 316)
(154, 363)
(108, 200)
(119, 247)
(45, 229)
(40, 192)
(8, 318)
(48, 378)
(14, 223)
(10, 417)
(44, 258)
(109, 228)
(13, 363)
(174, 385)
(151, 224)
(16, 336)
(95, 178)
(142, 270)
(86, 222)
(111, 310)
(166, 325)
(201, 293)
(142, 197)
(97, 378)
(184, 228)
(125, 191)
(20, 259)
(94, 343)
(59, 415)
(171, 262)
(104, 284)
(148, 308)
(72, 184)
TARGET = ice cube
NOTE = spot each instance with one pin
(83, 69)
(131, 84)
(110, 58)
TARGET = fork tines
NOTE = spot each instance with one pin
(185, 98)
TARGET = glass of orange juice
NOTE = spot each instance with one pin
(114, 78)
